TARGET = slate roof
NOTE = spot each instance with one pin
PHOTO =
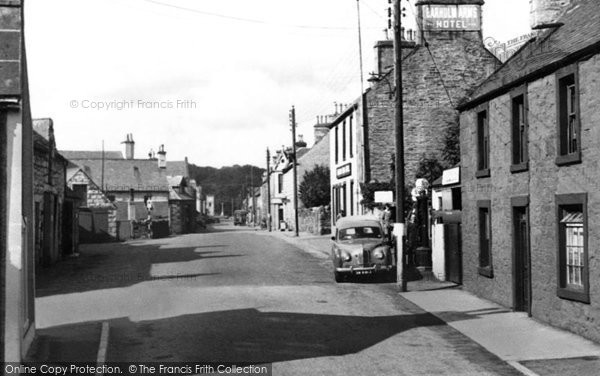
(40, 142)
(71, 171)
(179, 196)
(94, 154)
(301, 152)
(178, 168)
(175, 181)
(552, 49)
(121, 175)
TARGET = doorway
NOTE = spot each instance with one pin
(521, 260)
(453, 252)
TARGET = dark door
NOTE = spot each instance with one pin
(522, 273)
(280, 216)
(452, 237)
(67, 228)
(48, 229)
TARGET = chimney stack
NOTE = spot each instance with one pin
(545, 13)
(129, 146)
(384, 57)
(162, 157)
(300, 142)
(322, 127)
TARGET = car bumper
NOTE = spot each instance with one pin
(359, 270)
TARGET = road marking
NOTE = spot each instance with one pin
(101, 358)
(521, 368)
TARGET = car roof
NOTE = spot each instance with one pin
(357, 220)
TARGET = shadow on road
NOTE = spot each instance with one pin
(115, 265)
(248, 335)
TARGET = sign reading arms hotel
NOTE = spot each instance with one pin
(451, 17)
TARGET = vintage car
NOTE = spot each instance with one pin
(361, 247)
(239, 217)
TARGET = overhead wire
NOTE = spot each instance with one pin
(426, 44)
(244, 19)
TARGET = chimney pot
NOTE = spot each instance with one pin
(162, 157)
(129, 146)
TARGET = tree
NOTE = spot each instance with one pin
(430, 168)
(314, 189)
(227, 183)
(451, 150)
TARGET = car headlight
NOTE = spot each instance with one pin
(379, 253)
(346, 256)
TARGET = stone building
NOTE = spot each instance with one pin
(347, 161)
(49, 193)
(530, 160)
(17, 257)
(97, 214)
(317, 155)
(282, 188)
(441, 64)
(136, 188)
(282, 174)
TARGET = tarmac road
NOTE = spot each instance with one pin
(236, 295)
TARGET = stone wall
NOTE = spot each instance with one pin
(40, 179)
(316, 221)
(56, 187)
(95, 197)
(432, 88)
(542, 182)
(175, 213)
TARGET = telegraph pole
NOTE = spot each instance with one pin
(269, 190)
(293, 124)
(252, 193)
(399, 227)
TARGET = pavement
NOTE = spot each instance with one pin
(532, 347)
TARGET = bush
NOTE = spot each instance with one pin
(314, 189)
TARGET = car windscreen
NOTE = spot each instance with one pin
(360, 232)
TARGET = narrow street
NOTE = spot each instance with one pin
(238, 295)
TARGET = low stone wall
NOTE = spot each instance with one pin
(316, 221)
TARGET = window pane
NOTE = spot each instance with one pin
(574, 243)
(571, 99)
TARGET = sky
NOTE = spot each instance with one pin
(213, 81)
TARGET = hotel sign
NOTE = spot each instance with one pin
(343, 171)
(451, 176)
(451, 17)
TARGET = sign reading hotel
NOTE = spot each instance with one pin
(451, 17)
(343, 171)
